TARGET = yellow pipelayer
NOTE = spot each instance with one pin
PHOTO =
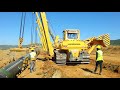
(71, 48)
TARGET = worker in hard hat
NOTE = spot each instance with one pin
(99, 59)
(32, 60)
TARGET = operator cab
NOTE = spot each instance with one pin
(71, 34)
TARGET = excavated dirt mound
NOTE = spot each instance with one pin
(110, 63)
(7, 57)
(111, 50)
(111, 58)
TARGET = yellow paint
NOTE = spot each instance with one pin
(43, 25)
(73, 45)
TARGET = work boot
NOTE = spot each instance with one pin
(34, 69)
(30, 71)
(94, 72)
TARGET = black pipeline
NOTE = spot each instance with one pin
(14, 68)
(11, 70)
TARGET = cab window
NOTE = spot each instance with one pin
(72, 35)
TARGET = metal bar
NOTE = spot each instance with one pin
(44, 42)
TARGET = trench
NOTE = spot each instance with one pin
(109, 66)
(112, 67)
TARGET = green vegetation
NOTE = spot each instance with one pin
(115, 42)
(4, 47)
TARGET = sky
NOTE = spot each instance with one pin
(89, 23)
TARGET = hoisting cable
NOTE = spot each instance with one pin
(35, 36)
(22, 30)
(35, 31)
(51, 29)
(32, 30)
(21, 25)
(24, 24)
(51, 33)
(31, 36)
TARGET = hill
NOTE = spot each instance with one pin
(4, 47)
(115, 42)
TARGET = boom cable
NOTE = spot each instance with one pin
(35, 36)
(24, 24)
(21, 25)
(51, 27)
(32, 30)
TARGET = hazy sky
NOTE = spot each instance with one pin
(89, 23)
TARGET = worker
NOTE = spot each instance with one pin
(32, 60)
(99, 59)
